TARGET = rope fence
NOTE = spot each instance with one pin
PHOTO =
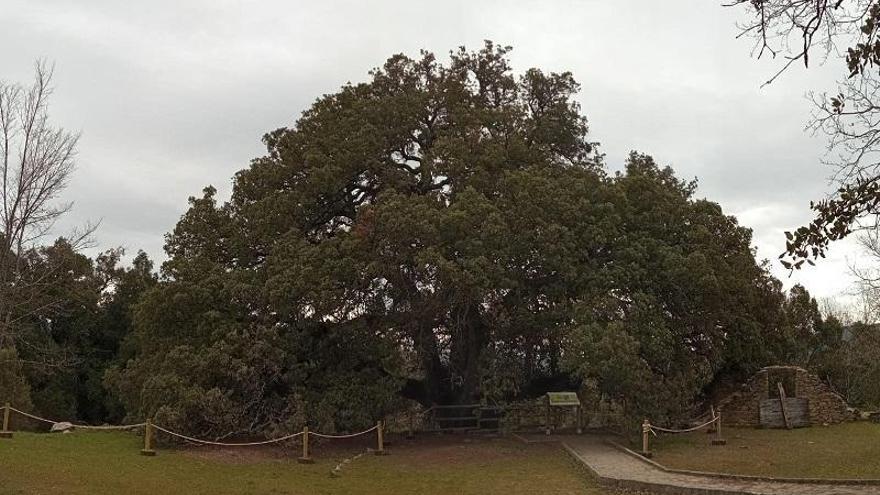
(340, 437)
(150, 430)
(72, 425)
(225, 444)
(651, 429)
(437, 418)
(656, 428)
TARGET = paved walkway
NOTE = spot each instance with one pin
(617, 468)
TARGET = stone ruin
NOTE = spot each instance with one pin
(784, 396)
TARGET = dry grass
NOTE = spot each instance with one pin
(109, 463)
(850, 450)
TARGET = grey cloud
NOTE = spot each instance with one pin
(172, 96)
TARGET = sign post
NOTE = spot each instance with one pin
(564, 399)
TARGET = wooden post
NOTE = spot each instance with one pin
(711, 428)
(580, 428)
(6, 432)
(380, 434)
(306, 458)
(782, 405)
(547, 417)
(411, 433)
(646, 430)
(148, 439)
(718, 440)
(478, 414)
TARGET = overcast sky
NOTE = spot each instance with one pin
(171, 96)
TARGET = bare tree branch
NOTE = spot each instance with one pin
(36, 161)
(795, 29)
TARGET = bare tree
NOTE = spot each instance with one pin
(834, 307)
(866, 290)
(795, 30)
(849, 115)
(36, 160)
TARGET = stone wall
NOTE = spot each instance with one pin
(743, 407)
(825, 405)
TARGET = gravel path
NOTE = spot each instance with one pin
(619, 469)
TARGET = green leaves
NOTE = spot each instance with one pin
(835, 218)
(443, 232)
(688, 300)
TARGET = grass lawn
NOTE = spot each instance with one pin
(109, 463)
(850, 450)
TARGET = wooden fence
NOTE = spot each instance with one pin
(150, 429)
(465, 417)
(438, 418)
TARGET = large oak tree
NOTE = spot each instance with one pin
(448, 233)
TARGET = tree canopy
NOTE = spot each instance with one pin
(445, 232)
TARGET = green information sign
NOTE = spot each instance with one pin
(563, 399)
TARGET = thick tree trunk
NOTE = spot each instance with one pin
(429, 390)
(468, 346)
(429, 354)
